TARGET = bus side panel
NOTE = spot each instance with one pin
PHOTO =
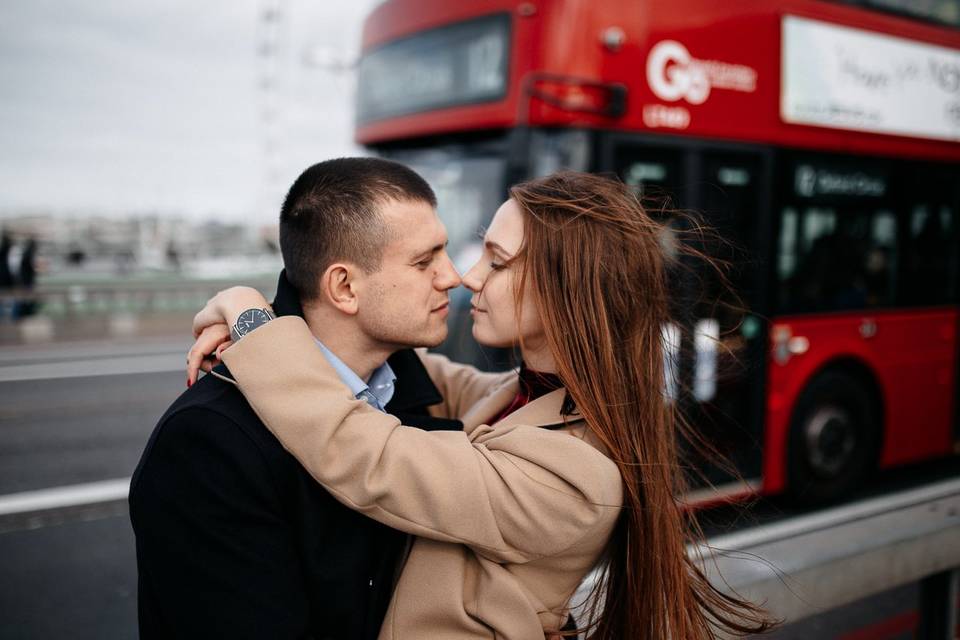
(916, 361)
(909, 353)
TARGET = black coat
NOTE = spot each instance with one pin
(236, 540)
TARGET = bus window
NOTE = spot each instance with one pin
(927, 257)
(834, 259)
(787, 253)
(942, 11)
(880, 266)
(469, 190)
(653, 173)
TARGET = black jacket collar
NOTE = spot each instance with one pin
(413, 387)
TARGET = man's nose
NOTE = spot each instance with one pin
(447, 277)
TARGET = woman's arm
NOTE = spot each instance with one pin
(461, 385)
(512, 493)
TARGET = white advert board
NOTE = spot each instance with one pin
(845, 78)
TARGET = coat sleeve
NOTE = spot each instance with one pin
(461, 385)
(214, 553)
(512, 494)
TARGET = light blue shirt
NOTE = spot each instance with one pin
(376, 393)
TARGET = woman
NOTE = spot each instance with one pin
(512, 513)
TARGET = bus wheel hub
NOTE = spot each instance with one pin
(831, 439)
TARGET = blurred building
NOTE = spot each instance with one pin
(101, 246)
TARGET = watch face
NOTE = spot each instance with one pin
(250, 320)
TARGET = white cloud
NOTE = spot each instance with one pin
(115, 107)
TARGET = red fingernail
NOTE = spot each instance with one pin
(189, 383)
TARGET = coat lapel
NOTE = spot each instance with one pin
(545, 411)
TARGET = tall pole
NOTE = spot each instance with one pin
(269, 50)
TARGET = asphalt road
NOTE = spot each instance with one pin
(82, 413)
(71, 573)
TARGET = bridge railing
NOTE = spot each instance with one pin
(824, 561)
(108, 309)
(120, 296)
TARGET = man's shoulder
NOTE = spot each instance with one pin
(212, 397)
(212, 416)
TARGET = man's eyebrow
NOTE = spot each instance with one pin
(432, 250)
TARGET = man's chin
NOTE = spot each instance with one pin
(435, 341)
(427, 340)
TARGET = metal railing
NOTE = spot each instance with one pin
(817, 563)
(822, 561)
(142, 296)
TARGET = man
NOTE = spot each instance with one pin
(234, 538)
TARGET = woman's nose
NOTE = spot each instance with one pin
(472, 279)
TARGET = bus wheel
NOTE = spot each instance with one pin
(833, 439)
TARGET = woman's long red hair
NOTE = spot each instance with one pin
(596, 265)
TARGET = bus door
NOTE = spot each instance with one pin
(729, 336)
(709, 357)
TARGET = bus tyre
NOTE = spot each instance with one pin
(833, 439)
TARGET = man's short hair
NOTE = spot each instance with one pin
(332, 213)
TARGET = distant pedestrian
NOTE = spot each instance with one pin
(7, 302)
(6, 275)
(26, 279)
(27, 275)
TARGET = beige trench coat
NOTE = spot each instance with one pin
(508, 517)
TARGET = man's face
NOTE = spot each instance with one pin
(405, 303)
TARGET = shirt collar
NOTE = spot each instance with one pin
(377, 393)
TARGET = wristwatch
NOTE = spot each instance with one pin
(248, 321)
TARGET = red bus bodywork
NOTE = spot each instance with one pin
(903, 350)
(908, 350)
(564, 37)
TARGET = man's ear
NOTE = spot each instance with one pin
(337, 287)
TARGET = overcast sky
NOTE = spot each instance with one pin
(122, 107)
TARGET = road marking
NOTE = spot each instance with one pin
(69, 496)
(99, 367)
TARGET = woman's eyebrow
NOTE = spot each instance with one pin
(493, 246)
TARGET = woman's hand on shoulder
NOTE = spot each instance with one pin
(211, 327)
(226, 307)
(204, 355)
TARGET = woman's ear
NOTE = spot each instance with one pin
(337, 287)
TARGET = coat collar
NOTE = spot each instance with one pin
(413, 387)
(546, 411)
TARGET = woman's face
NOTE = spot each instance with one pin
(497, 322)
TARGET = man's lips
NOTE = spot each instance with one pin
(441, 307)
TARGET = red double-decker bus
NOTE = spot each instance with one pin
(821, 137)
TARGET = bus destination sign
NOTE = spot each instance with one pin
(459, 64)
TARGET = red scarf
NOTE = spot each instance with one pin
(533, 384)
